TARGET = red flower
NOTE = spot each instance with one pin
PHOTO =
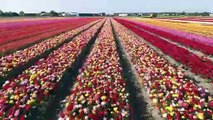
(210, 104)
(27, 107)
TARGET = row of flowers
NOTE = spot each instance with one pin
(176, 97)
(184, 39)
(198, 19)
(17, 39)
(179, 38)
(197, 65)
(99, 92)
(14, 33)
(19, 95)
(198, 32)
(19, 58)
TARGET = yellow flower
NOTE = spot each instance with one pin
(103, 98)
(66, 105)
(16, 97)
(196, 106)
(21, 95)
(81, 98)
(200, 116)
(89, 84)
(86, 95)
(169, 108)
(160, 95)
(175, 95)
(155, 101)
(11, 102)
(115, 109)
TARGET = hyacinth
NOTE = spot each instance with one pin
(174, 95)
(19, 58)
(19, 95)
(99, 91)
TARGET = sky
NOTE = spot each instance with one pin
(108, 6)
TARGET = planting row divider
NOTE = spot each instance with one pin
(138, 97)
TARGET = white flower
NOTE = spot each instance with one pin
(103, 103)
(61, 118)
(86, 118)
(165, 115)
(86, 110)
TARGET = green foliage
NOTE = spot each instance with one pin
(21, 13)
(53, 13)
(1, 12)
(154, 15)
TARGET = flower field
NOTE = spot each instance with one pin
(166, 85)
(23, 56)
(105, 69)
(17, 34)
(197, 64)
(200, 29)
(199, 19)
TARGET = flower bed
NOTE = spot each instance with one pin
(176, 96)
(21, 57)
(196, 64)
(99, 92)
(199, 30)
(36, 27)
(15, 39)
(198, 19)
(19, 95)
(188, 40)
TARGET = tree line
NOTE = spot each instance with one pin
(22, 13)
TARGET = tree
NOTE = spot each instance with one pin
(1, 13)
(205, 14)
(53, 13)
(154, 15)
(183, 13)
(21, 13)
(10, 14)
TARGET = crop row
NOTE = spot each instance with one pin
(196, 64)
(199, 30)
(99, 92)
(9, 34)
(30, 35)
(202, 44)
(19, 95)
(176, 96)
(21, 57)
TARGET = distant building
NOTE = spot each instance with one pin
(122, 14)
(211, 14)
(127, 14)
(44, 14)
(67, 14)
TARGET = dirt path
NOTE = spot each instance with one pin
(139, 96)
